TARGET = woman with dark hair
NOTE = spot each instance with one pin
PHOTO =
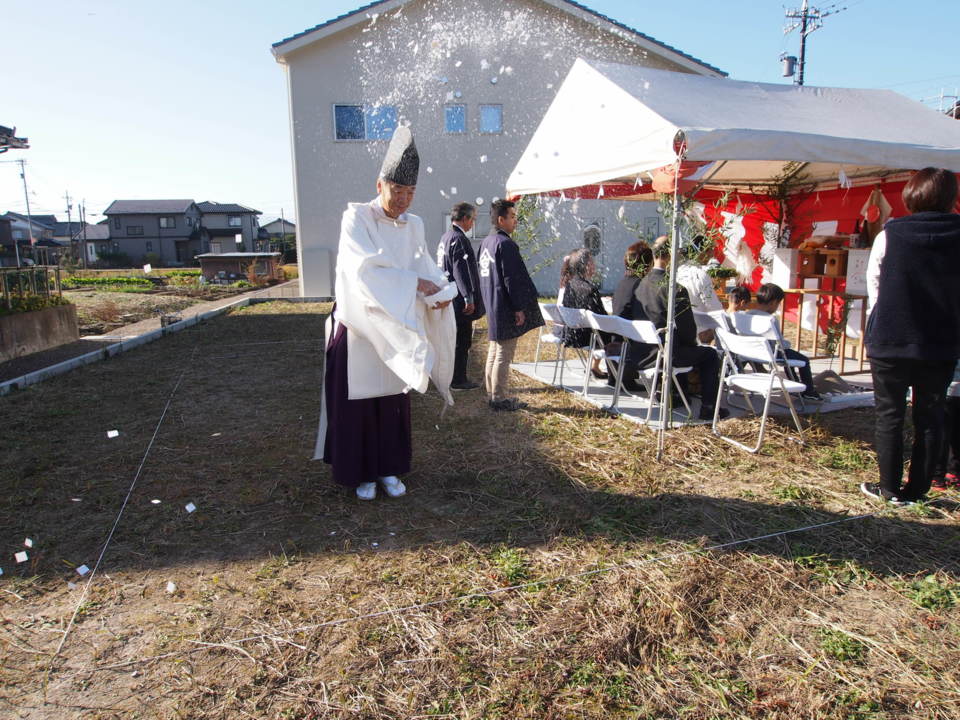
(913, 332)
(578, 291)
(637, 261)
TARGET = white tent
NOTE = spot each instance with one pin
(611, 126)
(614, 123)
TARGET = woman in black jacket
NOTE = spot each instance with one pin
(913, 333)
(579, 292)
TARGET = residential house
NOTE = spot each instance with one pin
(473, 79)
(169, 229)
(223, 222)
(279, 228)
(96, 239)
(23, 227)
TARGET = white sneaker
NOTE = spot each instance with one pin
(392, 486)
(367, 491)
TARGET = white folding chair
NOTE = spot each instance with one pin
(644, 331)
(550, 334)
(603, 324)
(574, 319)
(766, 325)
(721, 319)
(753, 349)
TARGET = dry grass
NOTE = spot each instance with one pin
(855, 620)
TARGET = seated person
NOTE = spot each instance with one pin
(577, 291)
(769, 297)
(692, 275)
(738, 299)
(637, 261)
(652, 293)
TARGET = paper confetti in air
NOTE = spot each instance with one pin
(483, 158)
(28, 542)
(429, 169)
(190, 507)
(458, 63)
(171, 587)
(453, 190)
(479, 201)
(82, 570)
(112, 433)
(21, 557)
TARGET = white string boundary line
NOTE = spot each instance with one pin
(123, 506)
(469, 596)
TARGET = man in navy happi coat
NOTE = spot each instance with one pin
(510, 298)
(456, 257)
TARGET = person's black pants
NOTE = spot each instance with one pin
(464, 341)
(804, 371)
(707, 363)
(891, 379)
(950, 451)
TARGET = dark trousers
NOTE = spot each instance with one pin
(891, 379)
(950, 452)
(464, 341)
(804, 371)
(707, 363)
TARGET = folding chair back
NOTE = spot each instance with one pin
(721, 319)
(551, 335)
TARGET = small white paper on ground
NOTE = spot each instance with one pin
(28, 542)
(147, 269)
(71, 585)
(216, 435)
(112, 433)
(190, 507)
(171, 587)
(82, 570)
(21, 556)
(155, 501)
(1, 571)
(74, 499)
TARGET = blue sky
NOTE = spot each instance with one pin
(183, 99)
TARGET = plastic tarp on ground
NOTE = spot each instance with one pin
(616, 124)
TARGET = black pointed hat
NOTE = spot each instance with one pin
(402, 163)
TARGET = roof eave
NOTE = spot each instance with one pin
(288, 45)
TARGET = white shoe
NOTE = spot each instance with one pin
(367, 491)
(392, 486)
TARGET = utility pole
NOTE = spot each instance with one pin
(66, 196)
(26, 196)
(808, 19)
(283, 237)
(83, 232)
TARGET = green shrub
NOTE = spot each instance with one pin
(74, 282)
(152, 259)
(29, 303)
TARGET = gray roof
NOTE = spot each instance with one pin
(208, 206)
(147, 207)
(47, 220)
(64, 228)
(94, 232)
(572, 3)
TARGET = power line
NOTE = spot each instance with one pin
(809, 20)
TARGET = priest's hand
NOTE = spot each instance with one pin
(469, 309)
(425, 287)
(441, 305)
(520, 317)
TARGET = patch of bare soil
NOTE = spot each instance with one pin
(542, 565)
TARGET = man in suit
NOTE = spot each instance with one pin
(456, 258)
(653, 293)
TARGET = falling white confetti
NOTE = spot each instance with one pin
(190, 507)
(508, 70)
(493, 80)
(443, 193)
(458, 63)
(156, 501)
(483, 158)
(21, 557)
(429, 170)
(457, 94)
(171, 587)
(112, 433)
(453, 190)
(28, 542)
(82, 570)
(479, 201)
(449, 96)
(484, 65)
(549, 86)
(621, 212)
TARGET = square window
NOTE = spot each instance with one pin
(349, 122)
(168, 221)
(134, 229)
(455, 118)
(381, 121)
(491, 119)
(234, 221)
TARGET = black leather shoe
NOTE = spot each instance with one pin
(706, 413)
(465, 385)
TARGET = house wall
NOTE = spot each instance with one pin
(164, 240)
(396, 61)
(248, 229)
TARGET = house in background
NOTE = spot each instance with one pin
(96, 239)
(222, 222)
(279, 228)
(21, 227)
(168, 228)
(473, 79)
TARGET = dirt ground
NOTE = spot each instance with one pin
(542, 565)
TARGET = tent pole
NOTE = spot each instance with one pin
(666, 394)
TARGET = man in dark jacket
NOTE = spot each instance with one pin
(456, 257)
(510, 298)
(653, 294)
(913, 332)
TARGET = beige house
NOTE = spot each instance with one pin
(472, 78)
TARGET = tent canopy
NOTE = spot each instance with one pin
(612, 123)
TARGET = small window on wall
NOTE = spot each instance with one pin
(168, 221)
(491, 119)
(215, 247)
(134, 229)
(149, 246)
(455, 119)
(364, 122)
(116, 223)
(234, 221)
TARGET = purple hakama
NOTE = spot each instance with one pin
(365, 439)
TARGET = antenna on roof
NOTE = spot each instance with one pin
(808, 19)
